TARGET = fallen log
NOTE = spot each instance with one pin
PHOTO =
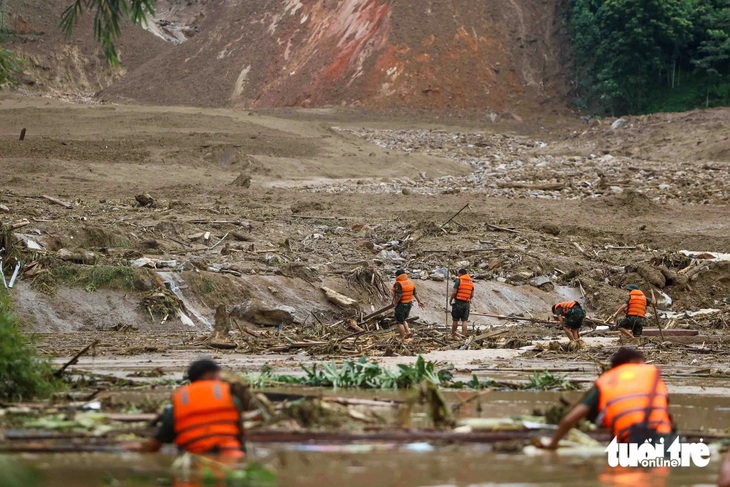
(377, 313)
(65, 204)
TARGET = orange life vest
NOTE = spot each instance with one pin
(466, 287)
(566, 305)
(407, 288)
(624, 396)
(206, 418)
(637, 304)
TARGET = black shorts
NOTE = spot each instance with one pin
(574, 318)
(633, 323)
(460, 310)
(402, 310)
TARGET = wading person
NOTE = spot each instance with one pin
(635, 308)
(724, 480)
(404, 292)
(630, 400)
(570, 316)
(461, 297)
(204, 418)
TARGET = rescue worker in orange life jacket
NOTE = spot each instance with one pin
(630, 399)
(404, 292)
(570, 315)
(461, 298)
(204, 418)
(635, 308)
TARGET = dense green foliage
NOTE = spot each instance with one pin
(365, 374)
(23, 375)
(651, 55)
(108, 15)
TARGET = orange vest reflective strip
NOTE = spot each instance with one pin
(206, 418)
(624, 396)
(466, 286)
(566, 305)
(637, 304)
(407, 288)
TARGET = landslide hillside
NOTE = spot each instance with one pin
(503, 56)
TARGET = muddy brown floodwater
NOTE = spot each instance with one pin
(382, 465)
(407, 465)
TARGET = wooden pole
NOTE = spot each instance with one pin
(656, 315)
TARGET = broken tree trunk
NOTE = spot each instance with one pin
(340, 299)
(220, 338)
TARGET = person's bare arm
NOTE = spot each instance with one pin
(622, 309)
(151, 445)
(724, 480)
(454, 292)
(571, 419)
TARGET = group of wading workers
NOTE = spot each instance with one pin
(630, 399)
(568, 314)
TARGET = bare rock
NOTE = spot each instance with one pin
(340, 299)
(620, 123)
(652, 275)
(145, 200)
(242, 181)
(77, 256)
(551, 229)
(259, 312)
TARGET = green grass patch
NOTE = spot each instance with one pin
(89, 277)
(23, 374)
(365, 374)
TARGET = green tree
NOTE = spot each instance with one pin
(639, 39)
(23, 374)
(712, 55)
(108, 15)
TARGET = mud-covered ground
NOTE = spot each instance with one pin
(273, 205)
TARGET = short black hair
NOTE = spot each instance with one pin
(626, 355)
(201, 367)
(462, 272)
(399, 272)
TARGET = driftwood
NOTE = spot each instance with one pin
(377, 313)
(65, 204)
(539, 187)
(74, 359)
(500, 229)
(221, 222)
